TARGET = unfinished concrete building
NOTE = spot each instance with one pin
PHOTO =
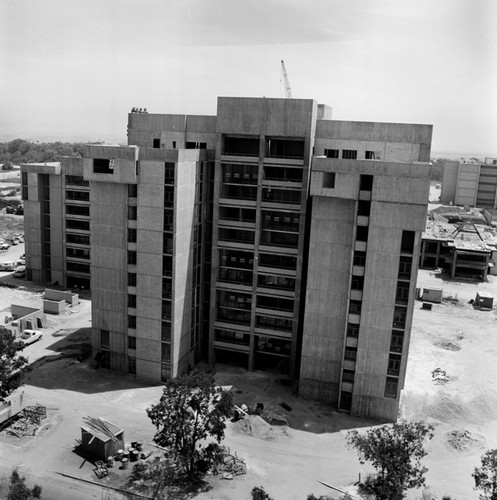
(470, 183)
(268, 235)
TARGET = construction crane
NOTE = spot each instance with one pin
(286, 83)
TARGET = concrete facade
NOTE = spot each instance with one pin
(470, 184)
(269, 236)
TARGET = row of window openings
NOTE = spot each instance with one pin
(270, 238)
(249, 174)
(244, 260)
(274, 147)
(351, 154)
(246, 277)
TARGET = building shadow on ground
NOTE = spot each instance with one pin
(71, 366)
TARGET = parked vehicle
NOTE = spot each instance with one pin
(4, 246)
(8, 266)
(27, 337)
(19, 210)
(20, 272)
(21, 262)
(10, 209)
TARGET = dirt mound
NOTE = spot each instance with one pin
(255, 426)
(449, 346)
(463, 441)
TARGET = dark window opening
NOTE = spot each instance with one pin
(349, 154)
(364, 208)
(359, 258)
(236, 235)
(405, 267)
(355, 307)
(279, 261)
(242, 146)
(82, 225)
(131, 279)
(156, 143)
(168, 173)
(284, 148)
(283, 174)
(350, 353)
(399, 317)
(345, 401)
(76, 180)
(275, 303)
(357, 283)
(78, 195)
(132, 365)
(104, 339)
(391, 387)
(332, 153)
(132, 213)
(352, 330)
(131, 257)
(402, 294)
(275, 195)
(77, 210)
(407, 245)
(77, 267)
(131, 321)
(329, 180)
(348, 376)
(131, 342)
(103, 166)
(77, 238)
(132, 190)
(132, 301)
(366, 183)
(167, 266)
(362, 233)
(372, 155)
(196, 145)
(397, 341)
(394, 362)
(166, 332)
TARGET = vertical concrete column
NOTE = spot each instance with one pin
(454, 264)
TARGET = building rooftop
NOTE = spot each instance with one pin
(464, 232)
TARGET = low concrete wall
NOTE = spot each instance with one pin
(54, 306)
(57, 295)
(25, 318)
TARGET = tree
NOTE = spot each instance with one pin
(11, 365)
(190, 411)
(395, 452)
(18, 489)
(486, 476)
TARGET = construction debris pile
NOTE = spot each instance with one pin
(439, 376)
(28, 422)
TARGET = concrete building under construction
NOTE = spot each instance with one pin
(267, 235)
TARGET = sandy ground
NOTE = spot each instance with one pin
(290, 460)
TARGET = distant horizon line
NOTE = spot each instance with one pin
(114, 138)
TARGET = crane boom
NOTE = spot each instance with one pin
(288, 90)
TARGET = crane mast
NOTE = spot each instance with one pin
(286, 83)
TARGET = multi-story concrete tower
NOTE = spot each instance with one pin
(57, 222)
(269, 236)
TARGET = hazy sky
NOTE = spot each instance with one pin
(75, 68)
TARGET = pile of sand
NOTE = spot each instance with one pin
(255, 426)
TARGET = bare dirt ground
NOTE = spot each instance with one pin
(287, 460)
